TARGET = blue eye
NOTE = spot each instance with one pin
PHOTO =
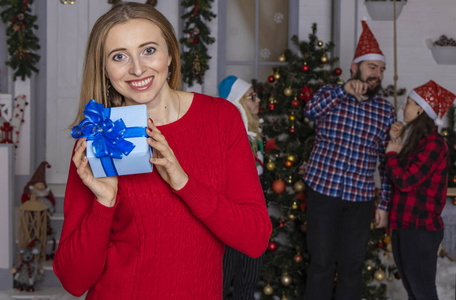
(118, 57)
(149, 50)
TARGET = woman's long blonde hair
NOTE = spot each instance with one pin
(253, 121)
(94, 74)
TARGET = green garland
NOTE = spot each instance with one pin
(195, 60)
(20, 37)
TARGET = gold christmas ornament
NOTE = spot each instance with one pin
(291, 157)
(445, 132)
(390, 277)
(286, 279)
(268, 290)
(284, 297)
(294, 205)
(324, 59)
(288, 92)
(276, 76)
(270, 165)
(320, 43)
(282, 58)
(379, 275)
(291, 216)
(387, 239)
(299, 186)
(292, 117)
(290, 179)
(368, 267)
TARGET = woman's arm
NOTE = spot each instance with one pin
(428, 157)
(239, 218)
(81, 254)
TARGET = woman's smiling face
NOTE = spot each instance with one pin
(137, 60)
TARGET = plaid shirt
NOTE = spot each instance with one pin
(420, 182)
(351, 136)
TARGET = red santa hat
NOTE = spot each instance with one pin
(367, 48)
(434, 99)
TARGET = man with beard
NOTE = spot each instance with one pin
(352, 124)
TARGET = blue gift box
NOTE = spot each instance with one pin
(116, 139)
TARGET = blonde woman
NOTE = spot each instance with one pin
(160, 234)
(246, 270)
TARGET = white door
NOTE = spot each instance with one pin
(68, 27)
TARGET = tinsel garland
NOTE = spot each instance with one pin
(194, 58)
(21, 40)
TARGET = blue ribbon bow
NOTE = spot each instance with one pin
(108, 137)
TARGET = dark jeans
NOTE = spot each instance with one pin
(337, 234)
(246, 272)
(415, 255)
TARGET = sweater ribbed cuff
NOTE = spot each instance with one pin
(102, 214)
(198, 198)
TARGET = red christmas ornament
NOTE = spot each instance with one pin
(278, 186)
(305, 68)
(295, 102)
(380, 244)
(271, 79)
(297, 258)
(292, 130)
(271, 106)
(337, 71)
(272, 246)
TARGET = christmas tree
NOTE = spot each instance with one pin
(449, 135)
(289, 137)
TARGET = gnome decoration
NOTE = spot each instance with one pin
(37, 189)
(27, 271)
(37, 186)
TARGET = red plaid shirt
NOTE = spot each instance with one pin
(420, 183)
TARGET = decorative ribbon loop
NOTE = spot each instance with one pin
(108, 137)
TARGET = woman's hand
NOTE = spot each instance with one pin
(394, 145)
(396, 130)
(381, 218)
(164, 159)
(356, 88)
(104, 188)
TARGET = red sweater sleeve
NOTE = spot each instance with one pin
(240, 217)
(81, 255)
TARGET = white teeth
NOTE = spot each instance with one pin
(141, 83)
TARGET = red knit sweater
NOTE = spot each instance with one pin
(156, 243)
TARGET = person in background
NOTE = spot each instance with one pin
(352, 124)
(158, 235)
(246, 270)
(417, 163)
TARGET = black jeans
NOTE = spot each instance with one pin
(337, 233)
(415, 255)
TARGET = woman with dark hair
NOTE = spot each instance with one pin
(158, 235)
(417, 162)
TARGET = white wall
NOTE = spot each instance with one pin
(418, 21)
